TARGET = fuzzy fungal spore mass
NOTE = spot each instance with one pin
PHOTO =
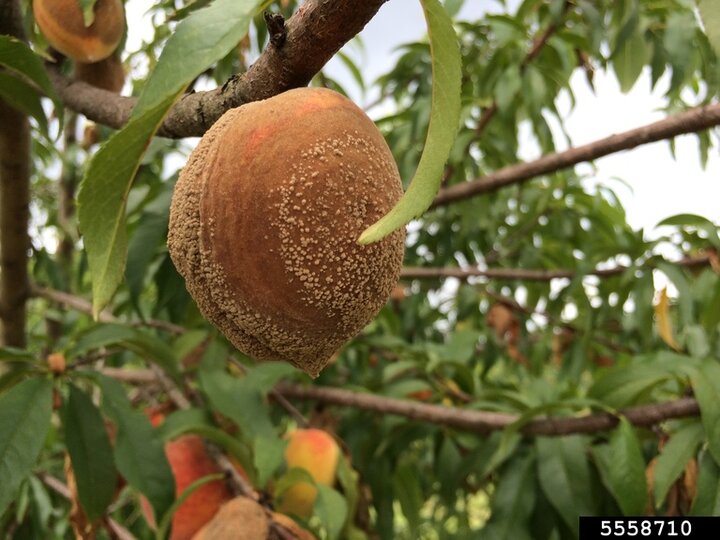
(265, 219)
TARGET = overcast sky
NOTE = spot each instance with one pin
(660, 186)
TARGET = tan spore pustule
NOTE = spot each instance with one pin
(265, 219)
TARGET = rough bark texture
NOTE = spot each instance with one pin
(315, 33)
(14, 204)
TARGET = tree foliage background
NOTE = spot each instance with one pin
(526, 370)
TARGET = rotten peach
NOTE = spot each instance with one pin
(265, 219)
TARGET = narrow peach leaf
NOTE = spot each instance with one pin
(444, 122)
(198, 42)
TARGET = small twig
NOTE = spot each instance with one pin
(171, 389)
(691, 121)
(92, 358)
(276, 28)
(290, 408)
(130, 376)
(59, 487)
(71, 301)
(121, 532)
(80, 304)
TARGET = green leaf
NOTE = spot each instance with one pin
(707, 499)
(622, 469)
(352, 68)
(461, 346)
(166, 521)
(102, 198)
(565, 477)
(139, 450)
(198, 41)
(141, 343)
(624, 385)
(685, 297)
(268, 454)
(674, 456)
(90, 453)
(265, 375)
(11, 353)
(710, 13)
(711, 314)
(513, 502)
(23, 97)
(151, 230)
(444, 122)
(453, 6)
(679, 42)
(631, 58)
(348, 479)
(240, 400)
(693, 220)
(18, 57)
(706, 384)
(182, 421)
(507, 87)
(25, 412)
(406, 484)
(330, 507)
(294, 475)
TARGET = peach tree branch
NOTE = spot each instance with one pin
(690, 121)
(469, 420)
(15, 164)
(484, 421)
(522, 274)
(317, 30)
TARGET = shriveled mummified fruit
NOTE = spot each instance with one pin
(265, 219)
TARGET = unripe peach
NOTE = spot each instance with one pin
(317, 452)
(62, 23)
(265, 219)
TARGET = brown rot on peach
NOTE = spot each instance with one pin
(265, 219)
